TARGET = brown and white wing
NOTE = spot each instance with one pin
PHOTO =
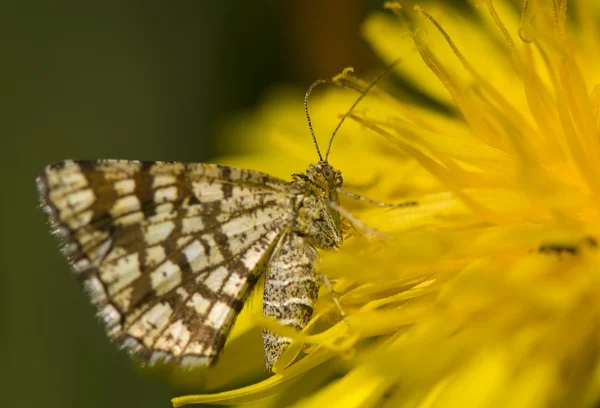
(166, 251)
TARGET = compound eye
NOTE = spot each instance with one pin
(328, 173)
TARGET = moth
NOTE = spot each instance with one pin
(168, 252)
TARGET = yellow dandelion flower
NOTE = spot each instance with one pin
(487, 293)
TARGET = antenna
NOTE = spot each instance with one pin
(360, 98)
(312, 132)
(308, 91)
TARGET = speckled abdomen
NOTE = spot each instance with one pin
(291, 290)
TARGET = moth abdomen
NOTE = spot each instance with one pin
(291, 290)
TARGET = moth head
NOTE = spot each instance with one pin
(324, 171)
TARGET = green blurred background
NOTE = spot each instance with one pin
(138, 79)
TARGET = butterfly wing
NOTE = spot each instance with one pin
(166, 251)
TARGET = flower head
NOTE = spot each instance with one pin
(487, 293)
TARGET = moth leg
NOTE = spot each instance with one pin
(377, 203)
(355, 221)
(334, 297)
(291, 290)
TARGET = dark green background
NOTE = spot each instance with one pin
(137, 79)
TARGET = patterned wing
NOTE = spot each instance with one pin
(166, 251)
